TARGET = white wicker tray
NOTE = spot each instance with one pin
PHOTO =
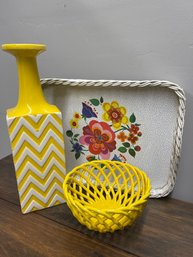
(140, 122)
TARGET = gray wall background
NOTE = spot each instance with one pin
(104, 39)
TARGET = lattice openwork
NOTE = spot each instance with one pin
(106, 195)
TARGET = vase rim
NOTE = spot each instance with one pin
(23, 47)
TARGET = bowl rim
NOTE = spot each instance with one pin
(121, 210)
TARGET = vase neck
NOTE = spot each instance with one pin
(30, 91)
(30, 98)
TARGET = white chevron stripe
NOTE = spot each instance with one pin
(28, 152)
(32, 205)
(38, 206)
(56, 198)
(37, 133)
(36, 118)
(59, 114)
(31, 180)
(9, 120)
(30, 166)
(43, 199)
(25, 138)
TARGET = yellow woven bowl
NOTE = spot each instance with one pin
(106, 195)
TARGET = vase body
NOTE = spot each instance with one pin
(36, 136)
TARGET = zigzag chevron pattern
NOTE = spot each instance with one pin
(38, 152)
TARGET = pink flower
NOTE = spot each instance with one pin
(99, 137)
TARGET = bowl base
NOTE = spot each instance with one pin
(102, 204)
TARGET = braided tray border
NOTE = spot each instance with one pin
(177, 143)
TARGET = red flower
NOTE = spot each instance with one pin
(134, 129)
(137, 148)
(132, 138)
(100, 138)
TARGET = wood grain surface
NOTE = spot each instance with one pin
(33, 235)
(164, 229)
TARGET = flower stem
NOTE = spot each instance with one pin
(121, 129)
(118, 130)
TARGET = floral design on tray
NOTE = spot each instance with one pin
(114, 135)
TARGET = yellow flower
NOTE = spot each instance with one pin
(74, 123)
(115, 113)
(77, 116)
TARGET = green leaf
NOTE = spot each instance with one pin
(75, 139)
(136, 124)
(76, 135)
(101, 100)
(126, 144)
(94, 101)
(92, 158)
(132, 152)
(77, 155)
(122, 149)
(69, 133)
(132, 118)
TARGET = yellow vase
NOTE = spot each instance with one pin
(36, 135)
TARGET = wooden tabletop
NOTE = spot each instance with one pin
(164, 229)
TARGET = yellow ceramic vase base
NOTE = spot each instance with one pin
(38, 153)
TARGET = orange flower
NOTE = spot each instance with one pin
(121, 136)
